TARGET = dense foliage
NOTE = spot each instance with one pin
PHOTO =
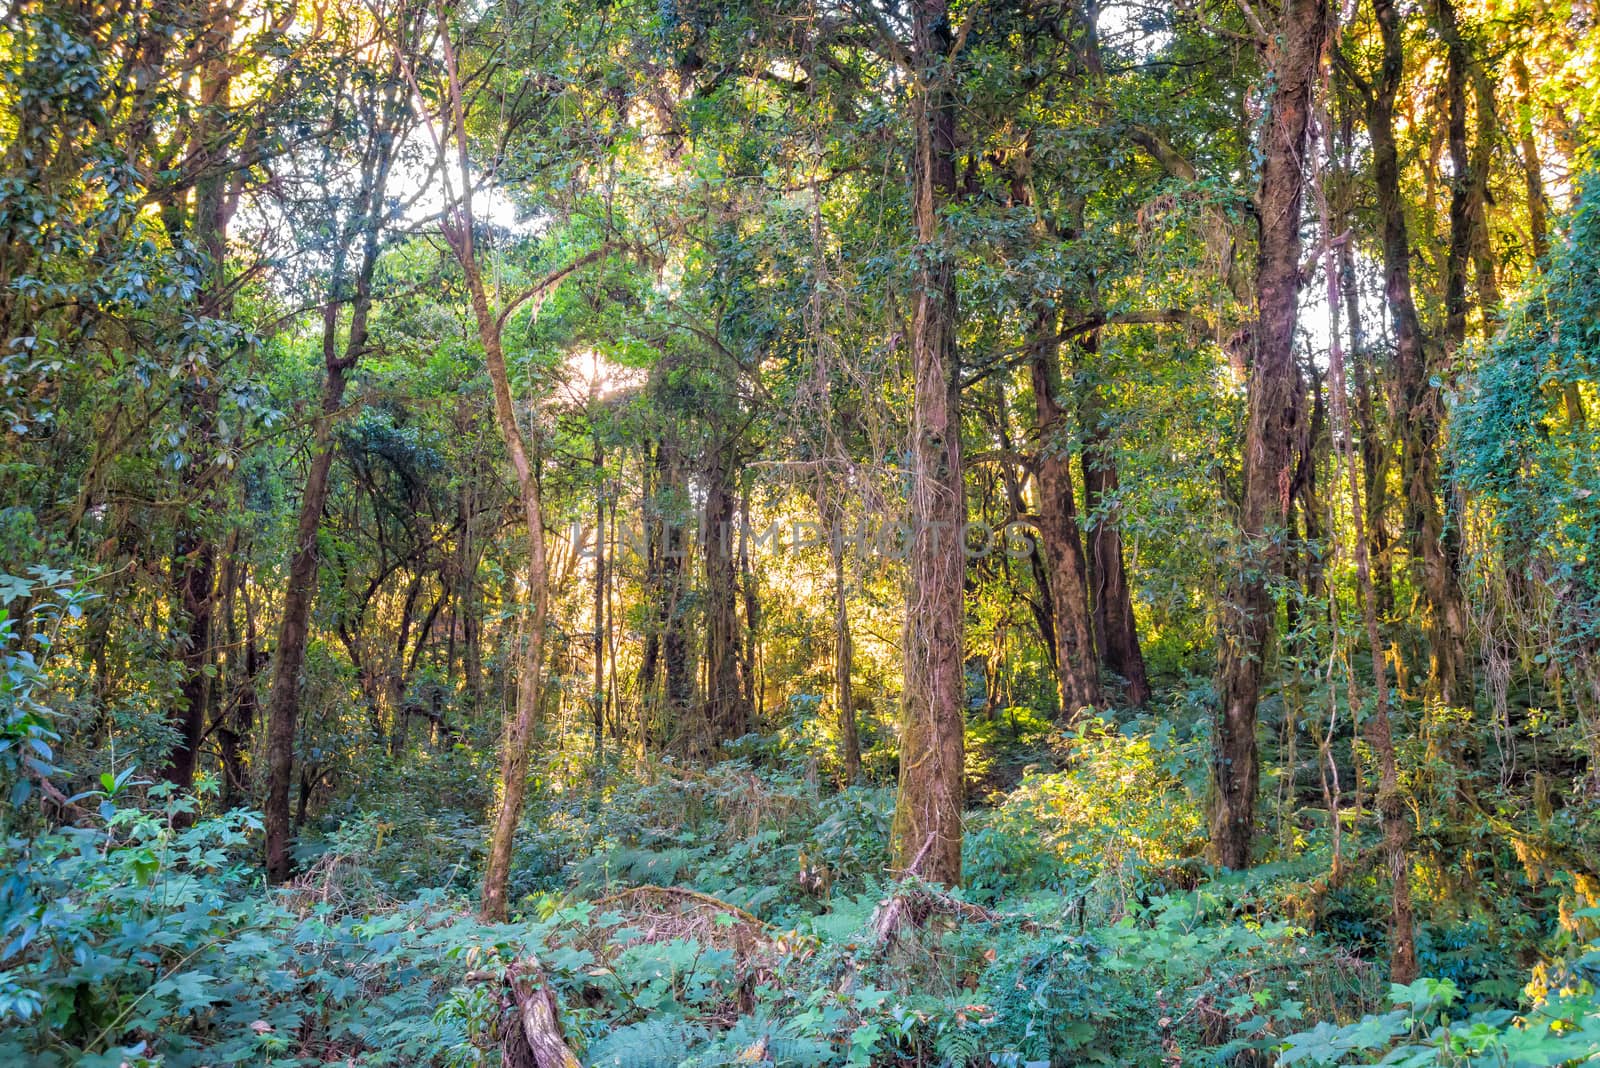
(777, 532)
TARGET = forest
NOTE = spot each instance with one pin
(681, 533)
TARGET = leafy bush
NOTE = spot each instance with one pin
(145, 938)
(1424, 1029)
(27, 718)
(1122, 807)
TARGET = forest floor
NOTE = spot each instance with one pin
(740, 914)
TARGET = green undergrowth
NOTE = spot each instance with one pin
(730, 915)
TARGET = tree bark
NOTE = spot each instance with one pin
(520, 728)
(726, 714)
(467, 604)
(1446, 623)
(458, 225)
(534, 1036)
(1374, 447)
(1391, 805)
(1418, 402)
(234, 733)
(1012, 472)
(598, 698)
(1116, 634)
(752, 608)
(653, 587)
(844, 702)
(283, 700)
(1077, 667)
(1291, 59)
(927, 819)
(1532, 172)
(666, 677)
(194, 568)
(678, 664)
(1470, 169)
(194, 556)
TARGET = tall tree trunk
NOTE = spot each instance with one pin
(1041, 608)
(1306, 544)
(752, 607)
(1077, 667)
(1419, 406)
(519, 730)
(844, 701)
(598, 698)
(234, 680)
(667, 670)
(1116, 634)
(927, 818)
(613, 706)
(467, 604)
(1391, 805)
(678, 664)
(234, 733)
(193, 576)
(194, 557)
(1462, 191)
(665, 681)
(653, 586)
(1450, 677)
(1469, 189)
(726, 714)
(1374, 447)
(458, 225)
(1291, 59)
(283, 700)
(1532, 169)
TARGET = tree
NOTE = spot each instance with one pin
(1290, 55)
(380, 116)
(927, 816)
(1380, 732)
(459, 229)
(1077, 665)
